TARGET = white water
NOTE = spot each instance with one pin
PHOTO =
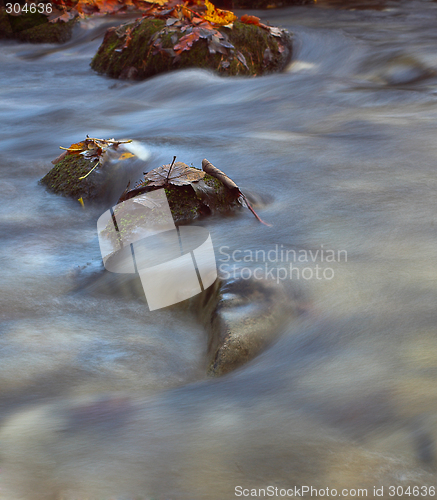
(343, 147)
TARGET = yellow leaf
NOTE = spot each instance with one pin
(159, 2)
(80, 200)
(76, 148)
(125, 156)
(217, 16)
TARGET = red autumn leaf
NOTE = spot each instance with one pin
(250, 20)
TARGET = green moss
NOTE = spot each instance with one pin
(26, 21)
(5, 26)
(142, 60)
(58, 32)
(34, 28)
(63, 178)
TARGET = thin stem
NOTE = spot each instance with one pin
(169, 170)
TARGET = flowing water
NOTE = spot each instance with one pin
(101, 398)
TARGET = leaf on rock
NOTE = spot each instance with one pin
(218, 16)
(275, 31)
(242, 59)
(178, 174)
(77, 148)
(186, 42)
(250, 20)
(214, 45)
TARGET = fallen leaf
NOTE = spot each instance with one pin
(275, 31)
(218, 16)
(178, 174)
(250, 20)
(186, 42)
(242, 59)
(214, 46)
(125, 156)
(77, 148)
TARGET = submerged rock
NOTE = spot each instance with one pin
(34, 28)
(143, 49)
(242, 318)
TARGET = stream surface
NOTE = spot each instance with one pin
(341, 149)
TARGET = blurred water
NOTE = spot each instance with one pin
(342, 146)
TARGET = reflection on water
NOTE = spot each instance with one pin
(101, 398)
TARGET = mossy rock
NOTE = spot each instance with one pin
(104, 183)
(189, 202)
(256, 52)
(34, 28)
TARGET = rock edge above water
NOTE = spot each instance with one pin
(34, 28)
(256, 51)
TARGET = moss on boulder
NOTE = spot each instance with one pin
(63, 178)
(252, 50)
(189, 202)
(104, 184)
(34, 28)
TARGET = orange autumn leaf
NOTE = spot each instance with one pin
(217, 16)
(250, 20)
(77, 148)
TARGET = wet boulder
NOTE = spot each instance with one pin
(191, 193)
(243, 317)
(94, 169)
(34, 28)
(152, 45)
(188, 202)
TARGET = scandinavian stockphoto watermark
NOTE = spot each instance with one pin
(140, 236)
(280, 263)
(174, 264)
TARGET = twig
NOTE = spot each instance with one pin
(108, 140)
(85, 176)
(169, 170)
(253, 211)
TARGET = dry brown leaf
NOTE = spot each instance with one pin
(180, 174)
